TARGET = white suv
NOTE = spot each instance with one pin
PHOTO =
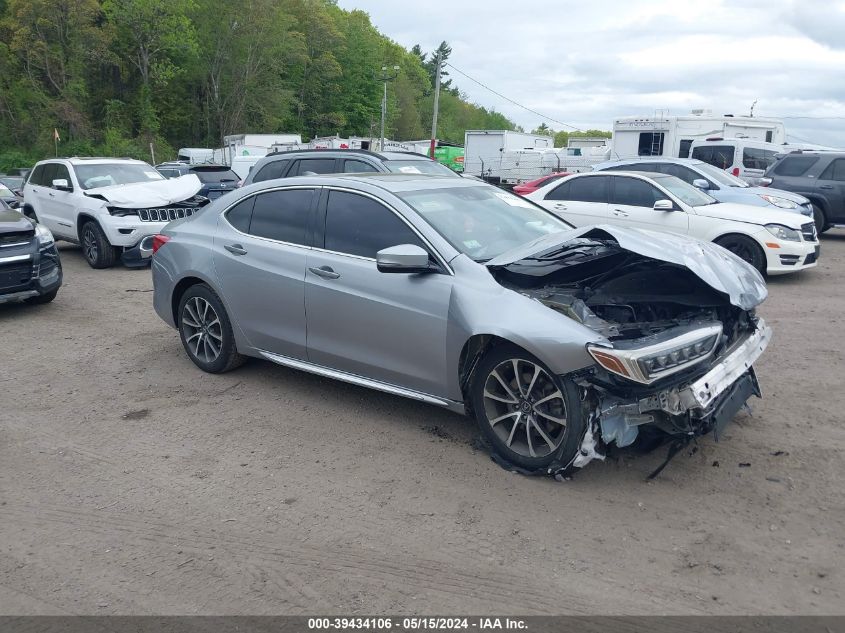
(111, 206)
(773, 241)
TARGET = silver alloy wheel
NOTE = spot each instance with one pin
(202, 329)
(89, 244)
(525, 408)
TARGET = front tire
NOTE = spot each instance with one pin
(820, 219)
(529, 416)
(206, 332)
(96, 249)
(745, 248)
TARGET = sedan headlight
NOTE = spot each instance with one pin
(673, 352)
(781, 203)
(784, 232)
(45, 238)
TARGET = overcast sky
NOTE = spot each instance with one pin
(585, 63)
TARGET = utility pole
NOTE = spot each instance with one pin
(436, 106)
(385, 77)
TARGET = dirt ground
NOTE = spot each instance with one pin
(132, 483)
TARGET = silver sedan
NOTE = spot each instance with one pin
(559, 341)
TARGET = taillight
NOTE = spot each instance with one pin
(159, 241)
(735, 171)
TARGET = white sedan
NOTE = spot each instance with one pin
(774, 242)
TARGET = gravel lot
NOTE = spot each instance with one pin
(132, 483)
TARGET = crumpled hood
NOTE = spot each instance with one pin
(751, 214)
(155, 193)
(718, 268)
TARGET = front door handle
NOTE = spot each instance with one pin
(620, 213)
(825, 186)
(325, 272)
(559, 205)
(235, 249)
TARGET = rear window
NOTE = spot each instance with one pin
(216, 175)
(795, 165)
(418, 167)
(270, 171)
(753, 158)
(721, 156)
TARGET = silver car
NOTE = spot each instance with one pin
(559, 341)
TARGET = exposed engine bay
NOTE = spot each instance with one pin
(669, 334)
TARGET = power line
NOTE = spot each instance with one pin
(499, 94)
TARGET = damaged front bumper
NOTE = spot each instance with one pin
(696, 407)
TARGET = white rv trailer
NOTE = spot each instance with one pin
(664, 135)
(253, 144)
(497, 155)
(195, 155)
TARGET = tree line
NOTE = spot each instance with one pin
(113, 76)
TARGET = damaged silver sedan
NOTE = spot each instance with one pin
(559, 341)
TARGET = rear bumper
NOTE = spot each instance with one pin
(139, 255)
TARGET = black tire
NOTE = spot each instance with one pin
(206, 331)
(47, 297)
(96, 249)
(745, 248)
(538, 409)
(820, 219)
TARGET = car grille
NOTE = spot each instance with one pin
(809, 232)
(16, 239)
(165, 214)
(15, 276)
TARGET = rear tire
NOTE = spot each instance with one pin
(206, 332)
(746, 249)
(820, 219)
(529, 416)
(96, 249)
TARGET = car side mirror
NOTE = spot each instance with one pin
(405, 258)
(701, 184)
(664, 205)
(62, 185)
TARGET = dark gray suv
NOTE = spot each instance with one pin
(818, 176)
(342, 161)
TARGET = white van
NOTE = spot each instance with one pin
(744, 158)
(242, 164)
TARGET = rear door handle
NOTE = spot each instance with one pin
(559, 205)
(825, 186)
(620, 213)
(325, 272)
(235, 249)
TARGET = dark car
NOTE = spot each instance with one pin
(818, 176)
(343, 161)
(216, 179)
(11, 197)
(15, 183)
(30, 269)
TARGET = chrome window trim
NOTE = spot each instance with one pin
(441, 260)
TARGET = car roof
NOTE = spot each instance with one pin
(91, 160)
(336, 153)
(651, 159)
(392, 182)
(651, 175)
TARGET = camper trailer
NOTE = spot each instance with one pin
(664, 135)
(252, 145)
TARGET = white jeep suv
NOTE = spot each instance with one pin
(112, 207)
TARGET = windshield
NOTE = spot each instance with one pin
(686, 193)
(108, 174)
(216, 175)
(483, 222)
(418, 167)
(12, 182)
(720, 177)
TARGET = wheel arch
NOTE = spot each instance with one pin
(180, 289)
(83, 219)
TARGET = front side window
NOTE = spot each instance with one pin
(482, 222)
(588, 189)
(282, 215)
(634, 192)
(834, 171)
(358, 225)
(688, 194)
(61, 173)
(91, 176)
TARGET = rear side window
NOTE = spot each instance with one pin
(240, 215)
(357, 225)
(834, 171)
(589, 189)
(753, 158)
(270, 171)
(282, 215)
(312, 166)
(795, 165)
(721, 156)
(634, 192)
(357, 167)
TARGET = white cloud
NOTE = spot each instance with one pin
(587, 63)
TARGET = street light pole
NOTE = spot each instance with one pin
(385, 77)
